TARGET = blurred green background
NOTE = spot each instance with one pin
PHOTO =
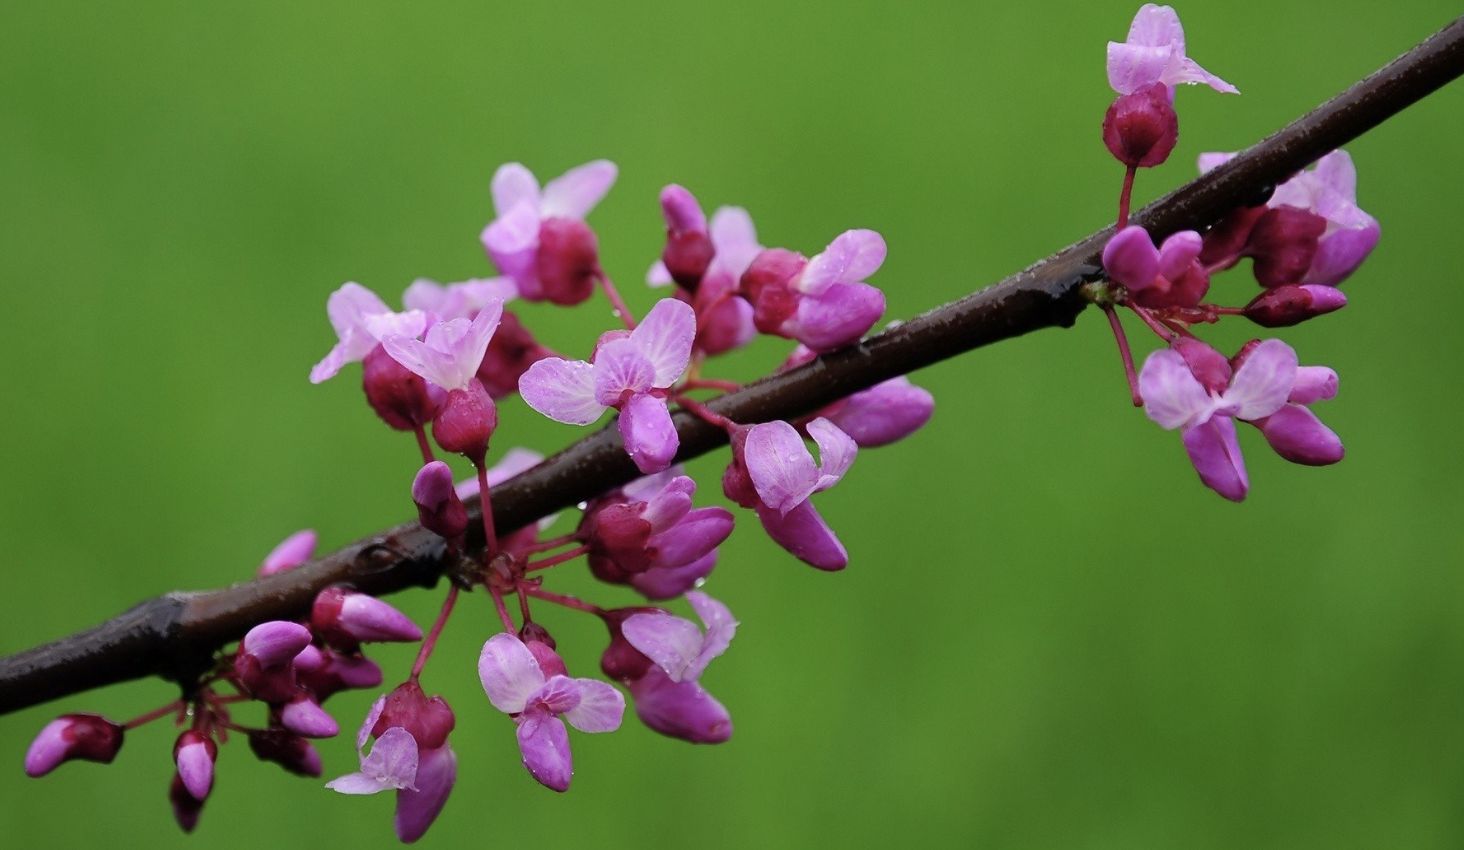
(1050, 636)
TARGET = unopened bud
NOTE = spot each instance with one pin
(765, 286)
(304, 716)
(466, 422)
(399, 396)
(195, 753)
(438, 507)
(534, 632)
(1292, 304)
(89, 737)
(287, 750)
(344, 618)
(292, 552)
(1283, 244)
(1140, 129)
(568, 260)
(689, 247)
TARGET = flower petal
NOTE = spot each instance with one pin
(417, 809)
(1313, 383)
(836, 452)
(664, 336)
(621, 366)
(544, 742)
(393, 759)
(512, 185)
(509, 673)
(1297, 435)
(853, 256)
(720, 628)
(680, 709)
(600, 707)
(669, 641)
(563, 390)
(356, 783)
(1263, 382)
(1131, 259)
(805, 535)
(782, 469)
(1172, 395)
(1214, 451)
(735, 239)
(575, 192)
(648, 433)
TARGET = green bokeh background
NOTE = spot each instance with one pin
(1050, 635)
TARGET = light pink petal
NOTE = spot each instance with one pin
(600, 707)
(364, 733)
(356, 783)
(195, 769)
(429, 296)
(670, 504)
(1337, 173)
(671, 642)
(1172, 396)
(645, 488)
(417, 809)
(1178, 251)
(1211, 161)
(1131, 258)
(563, 390)
(432, 364)
(1263, 382)
(575, 192)
(621, 366)
(393, 759)
(682, 212)
(1156, 26)
(658, 275)
(721, 626)
(853, 256)
(1313, 383)
(1214, 451)
(558, 694)
(1187, 70)
(1297, 435)
(512, 241)
(513, 462)
(470, 348)
(735, 241)
(544, 742)
(509, 673)
(409, 324)
(1339, 254)
(782, 469)
(805, 535)
(664, 336)
(513, 184)
(1134, 67)
(836, 452)
(335, 359)
(292, 552)
(349, 306)
(837, 317)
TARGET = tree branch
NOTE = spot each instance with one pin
(176, 636)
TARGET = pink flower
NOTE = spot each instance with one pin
(458, 300)
(1192, 388)
(885, 413)
(73, 736)
(360, 319)
(775, 474)
(668, 695)
(392, 764)
(1167, 276)
(1298, 251)
(540, 238)
(530, 685)
(450, 354)
(630, 373)
(290, 553)
(724, 318)
(823, 302)
(1154, 53)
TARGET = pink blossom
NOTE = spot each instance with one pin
(518, 684)
(1167, 276)
(360, 319)
(539, 238)
(822, 302)
(290, 553)
(668, 696)
(631, 373)
(452, 350)
(724, 318)
(392, 763)
(1154, 53)
(461, 300)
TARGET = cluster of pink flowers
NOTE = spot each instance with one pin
(1303, 240)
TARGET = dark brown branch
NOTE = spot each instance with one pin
(176, 635)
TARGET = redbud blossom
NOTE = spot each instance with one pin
(668, 697)
(290, 553)
(1141, 129)
(540, 238)
(89, 737)
(649, 536)
(1154, 53)
(360, 319)
(344, 619)
(438, 507)
(823, 302)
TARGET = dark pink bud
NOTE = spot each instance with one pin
(427, 720)
(89, 737)
(399, 396)
(466, 422)
(511, 352)
(534, 632)
(1208, 366)
(287, 750)
(568, 260)
(550, 664)
(1292, 304)
(1226, 241)
(680, 709)
(765, 285)
(688, 245)
(1299, 436)
(344, 618)
(617, 537)
(621, 661)
(186, 808)
(736, 481)
(1189, 289)
(195, 753)
(438, 506)
(262, 666)
(1283, 244)
(324, 672)
(1140, 129)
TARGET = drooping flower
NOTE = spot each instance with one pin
(450, 354)
(709, 284)
(360, 319)
(885, 413)
(529, 684)
(822, 302)
(1154, 53)
(773, 473)
(391, 765)
(1311, 231)
(661, 657)
(630, 373)
(1195, 389)
(539, 238)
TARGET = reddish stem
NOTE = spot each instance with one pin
(1128, 357)
(424, 444)
(705, 413)
(1124, 195)
(490, 538)
(559, 599)
(175, 705)
(568, 555)
(546, 545)
(431, 641)
(616, 301)
(508, 625)
(523, 604)
(1164, 331)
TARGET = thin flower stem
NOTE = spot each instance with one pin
(559, 599)
(523, 604)
(1128, 357)
(1158, 327)
(1125, 195)
(508, 625)
(490, 538)
(705, 413)
(170, 708)
(616, 301)
(545, 564)
(424, 444)
(427, 645)
(546, 545)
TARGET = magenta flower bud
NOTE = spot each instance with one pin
(1140, 129)
(287, 750)
(1292, 304)
(765, 285)
(689, 248)
(568, 260)
(186, 808)
(275, 644)
(1296, 434)
(428, 721)
(292, 552)
(399, 396)
(533, 633)
(438, 506)
(466, 422)
(195, 753)
(1283, 244)
(511, 352)
(344, 618)
(89, 737)
(324, 672)
(884, 413)
(617, 537)
(417, 808)
(304, 716)
(680, 709)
